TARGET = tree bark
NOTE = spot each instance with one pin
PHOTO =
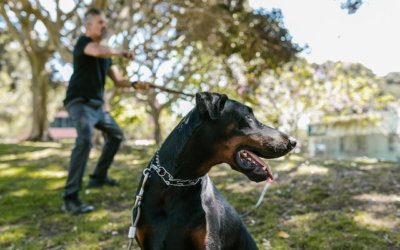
(98, 139)
(155, 113)
(40, 81)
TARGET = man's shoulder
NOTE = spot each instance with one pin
(81, 44)
(84, 39)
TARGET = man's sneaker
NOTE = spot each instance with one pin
(96, 182)
(76, 206)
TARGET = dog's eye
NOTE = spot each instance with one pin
(248, 117)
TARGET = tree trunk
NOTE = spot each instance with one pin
(98, 139)
(157, 128)
(155, 113)
(40, 81)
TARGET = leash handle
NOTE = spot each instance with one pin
(260, 199)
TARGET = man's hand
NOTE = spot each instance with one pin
(140, 85)
(128, 54)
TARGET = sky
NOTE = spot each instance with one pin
(370, 36)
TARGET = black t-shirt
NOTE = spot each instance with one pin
(89, 76)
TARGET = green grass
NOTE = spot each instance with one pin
(320, 204)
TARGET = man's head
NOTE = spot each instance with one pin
(95, 23)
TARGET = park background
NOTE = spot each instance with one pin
(325, 72)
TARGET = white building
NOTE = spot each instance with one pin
(370, 134)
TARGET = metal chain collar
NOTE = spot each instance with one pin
(162, 172)
(170, 181)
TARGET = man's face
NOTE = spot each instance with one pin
(97, 26)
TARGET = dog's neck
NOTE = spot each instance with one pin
(179, 151)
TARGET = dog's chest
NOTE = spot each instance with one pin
(173, 220)
(172, 231)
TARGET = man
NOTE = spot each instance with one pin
(84, 102)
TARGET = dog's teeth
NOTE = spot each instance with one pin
(249, 159)
(245, 154)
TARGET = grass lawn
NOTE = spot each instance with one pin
(314, 204)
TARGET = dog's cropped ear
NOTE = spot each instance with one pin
(212, 104)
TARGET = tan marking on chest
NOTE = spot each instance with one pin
(198, 236)
(142, 233)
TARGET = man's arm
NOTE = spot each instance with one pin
(119, 80)
(97, 50)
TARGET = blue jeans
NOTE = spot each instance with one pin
(85, 118)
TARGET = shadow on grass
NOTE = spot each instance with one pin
(320, 204)
(323, 204)
(32, 180)
(23, 147)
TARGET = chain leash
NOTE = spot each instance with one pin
(138, 201)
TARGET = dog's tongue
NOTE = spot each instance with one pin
(261, 163)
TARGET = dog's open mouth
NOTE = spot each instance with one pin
(251, 162)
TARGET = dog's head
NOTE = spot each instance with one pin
(231, 134)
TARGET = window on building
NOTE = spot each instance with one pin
(361, 143)
(391, 143)
(61, 122)
(341, 144)
(317, 129)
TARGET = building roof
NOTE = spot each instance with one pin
(62, 114)
(355, 124)
(63, 133)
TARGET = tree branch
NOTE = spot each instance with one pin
(101, 4)
(73, 12)
(200, 11)
(52, 30)
(12, 28)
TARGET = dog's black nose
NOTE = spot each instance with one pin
(292, 142)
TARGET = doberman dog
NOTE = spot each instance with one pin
(189, 213)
